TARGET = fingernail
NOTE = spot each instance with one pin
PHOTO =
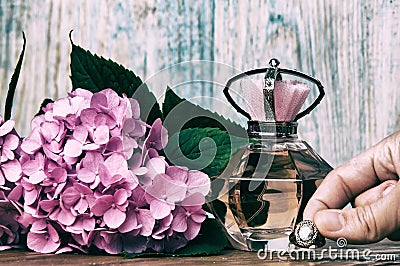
(387, 190)
(331, 220)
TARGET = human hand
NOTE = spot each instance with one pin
(370, 182)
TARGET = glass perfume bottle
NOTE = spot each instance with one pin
(262, 193)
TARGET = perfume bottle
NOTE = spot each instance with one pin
(262, 193)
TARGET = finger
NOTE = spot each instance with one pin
(342, 185)
(364, 224)
(375, 193)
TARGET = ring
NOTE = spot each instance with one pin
(306, 235)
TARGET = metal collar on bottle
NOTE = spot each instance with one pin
(262, 129)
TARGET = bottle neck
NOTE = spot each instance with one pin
(265, 130)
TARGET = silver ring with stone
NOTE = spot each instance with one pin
(306, 235)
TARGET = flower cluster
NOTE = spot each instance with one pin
(10, 172)
(87, 178)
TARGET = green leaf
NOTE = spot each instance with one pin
(211, 240)
(96, 73)
(181, 114)
(205, 149)
(13, 83)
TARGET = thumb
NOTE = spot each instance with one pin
(364, 224)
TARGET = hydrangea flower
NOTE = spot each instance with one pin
(88, 172)
(10, 168)
(10, 174)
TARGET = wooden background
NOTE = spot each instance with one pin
(353, 47)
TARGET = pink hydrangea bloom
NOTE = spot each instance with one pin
(10, 168)
(43, 237)
(87, 172)
(10, 175)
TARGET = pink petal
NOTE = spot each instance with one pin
(115, 144)
(70, 197)
(39, 225)
(128, 145)
(158, 188)
(11, 142)
(88, 224)
(147, 221)
(12, 170)
(121, 196)
(104, 119)
(113, 217)
(175, 191)
(112, 97)
(193, 230)
(159, 209)
(53, 146)
(37, 177)
(179, 224)
(116, 164)
(30, 196)
(64, 250)
(155, 166)
(105, 176)
(48, 205)
(51, 155)
(87, 95)
(129, 125)
(58, 190)
(69, 160)
(30, 167)
(80, 134)
(196, 199)
(198, 182)
(7, 127)
(101, 135)
(113, 243)
(16, 193)
(32, 143)
(198, 217)
(92, 160)
(177, 173)
(49, 130)
(158, 136)
(90, 147)
(73, 148)
(59, 174)
(65, 217)
(139, 171)
(98, 99)
(2, 179)
(87, 116)
(130, 222)
(102, 204)
(61, 108)
(86, 175)
(135, 108)
(81, 206)
(7, 155)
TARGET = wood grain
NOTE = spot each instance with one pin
(351, 46)
(383, 253)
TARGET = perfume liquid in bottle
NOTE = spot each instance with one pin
(266, 193)
(267, 204)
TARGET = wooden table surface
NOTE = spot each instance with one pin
(384, 253)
